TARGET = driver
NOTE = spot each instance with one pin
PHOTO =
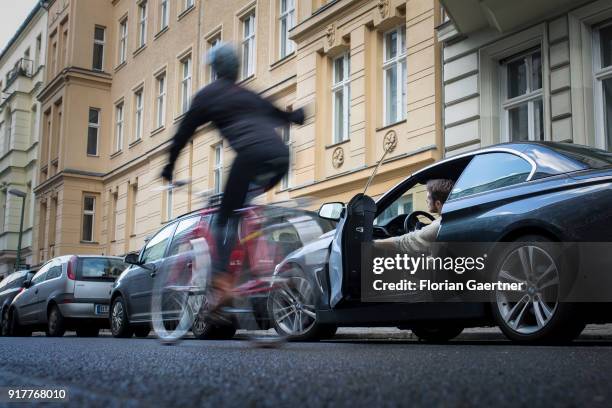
(420, 241)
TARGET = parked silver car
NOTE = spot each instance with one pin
(67, 293)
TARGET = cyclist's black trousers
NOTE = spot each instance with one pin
(254, 171)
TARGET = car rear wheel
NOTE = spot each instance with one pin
(536, 314)
(292, 309)
(437, 334)
(88, 332)
(119, 323)
(142, 331)
(4, 323)
(15, 329)
(56, 324)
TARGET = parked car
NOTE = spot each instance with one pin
(9, 288)
(130, 312)
(526, 194)
(69, 292)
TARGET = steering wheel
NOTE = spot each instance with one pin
(412, 223)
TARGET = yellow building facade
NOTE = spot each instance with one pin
(120, 75)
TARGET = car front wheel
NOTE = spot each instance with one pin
(119, 323)
(537, 313)
(292, 309)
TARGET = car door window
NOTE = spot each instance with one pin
(41, 274)
(54, 272)
(185, 232)
(156, 247)
(100, 268)
(490, 171)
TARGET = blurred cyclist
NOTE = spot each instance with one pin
(248, 122)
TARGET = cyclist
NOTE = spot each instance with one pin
(248, 123)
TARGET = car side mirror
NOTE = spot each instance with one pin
(132, 259)
(331, 211)
(26, 284)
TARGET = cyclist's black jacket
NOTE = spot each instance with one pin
(244, 118)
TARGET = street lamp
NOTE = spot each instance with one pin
(19, 193)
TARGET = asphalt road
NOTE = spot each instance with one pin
(346, 372)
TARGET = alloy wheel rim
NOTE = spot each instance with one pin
(532, 309)
(117, 316)
(292, 307)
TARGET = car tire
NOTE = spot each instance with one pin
(207, 331)
(56, 324)
(4, 323)
(15, 329)
(436, 334)
(119, 323)
(536, 317)
(302, 300)
(88, 332)
(142, 331)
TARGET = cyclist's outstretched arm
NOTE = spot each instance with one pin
(296, 116)
(196, 116)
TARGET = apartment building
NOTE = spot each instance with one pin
(122, 75)
(21, 77)
(532, 71)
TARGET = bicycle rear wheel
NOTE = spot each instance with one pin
(179, 291)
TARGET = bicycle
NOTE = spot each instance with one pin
(182, 284)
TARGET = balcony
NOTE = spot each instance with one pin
(23, 67)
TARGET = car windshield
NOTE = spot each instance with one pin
(594, 158)
(105, 268)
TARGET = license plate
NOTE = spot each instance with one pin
(101, 309)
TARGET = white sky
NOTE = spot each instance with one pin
(12, 14)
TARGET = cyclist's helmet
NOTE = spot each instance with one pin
(224, 61)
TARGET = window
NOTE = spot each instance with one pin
(218, 169)
(490, 171)
(93, 130)
(394, 74)
(287, 21)
(213, 43)
(341, 91)
(187, 4)
(133, 209)
(248, 45)
(181, 242)
(41, 274)
(522, 108)
(160, 100)
(138, 114)
(185, 83)
(163, 14)
(169, 203)
(98, 48)
(156, 247)
(285, 134)
(37, 52)
(123, 34)
(100, 268)
(142, 24)
(54, 272)
(119, 127)
(89, 211)
(402, 205)
(603, 85)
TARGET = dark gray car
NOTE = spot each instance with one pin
(9, 288)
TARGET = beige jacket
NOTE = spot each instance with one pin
(415, 242)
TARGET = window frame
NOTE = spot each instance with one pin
(101, 43)
(164, 14)
(186, 66)
(248, 42)
(138, 114)
(400, 62)
(161, 84)
(169, 203)
(218, 168)
(285, 134)
(91, 125)
(213, 42)
(142, 23)
(119, 126)
(285, 45)
(600, 74)
(87, 213)
(531, 97)
(171, 227)
(123, 40)
(343, 86)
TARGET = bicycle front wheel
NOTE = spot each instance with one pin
(179, 291)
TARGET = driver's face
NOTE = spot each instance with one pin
(434, 207)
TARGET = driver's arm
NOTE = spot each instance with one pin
(416, 242)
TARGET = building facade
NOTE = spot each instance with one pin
(22, 64)
(121, 76)
(533, 71)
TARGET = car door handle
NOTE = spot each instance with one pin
(153, 274)
(36, 292)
